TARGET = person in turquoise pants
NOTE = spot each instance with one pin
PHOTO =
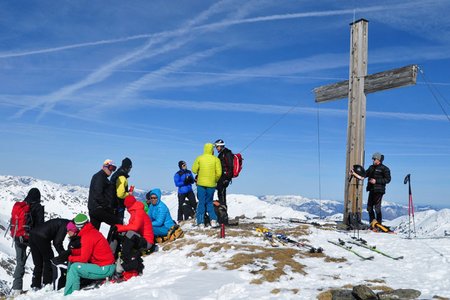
(94, 260)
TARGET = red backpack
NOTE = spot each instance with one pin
(19, 220)
(237, 164)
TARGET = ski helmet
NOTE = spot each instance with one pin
(219, 142)
(358, 169)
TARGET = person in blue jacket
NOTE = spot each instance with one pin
(159, 214)
(187, 204)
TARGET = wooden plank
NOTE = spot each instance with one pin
(381, 81)
(356, 127)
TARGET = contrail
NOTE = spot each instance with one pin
(201, 27)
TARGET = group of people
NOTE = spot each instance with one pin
(89, 254)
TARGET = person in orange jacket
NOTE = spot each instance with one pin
(95, 259)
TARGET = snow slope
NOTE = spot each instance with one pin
(243, 265)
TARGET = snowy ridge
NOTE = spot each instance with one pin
(428, 223)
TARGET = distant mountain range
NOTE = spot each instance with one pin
(74, 199)
(328, 208)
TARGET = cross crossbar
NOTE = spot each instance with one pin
(381, 81)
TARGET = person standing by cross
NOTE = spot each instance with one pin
(379, 175)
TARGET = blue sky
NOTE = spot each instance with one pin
(83, 81)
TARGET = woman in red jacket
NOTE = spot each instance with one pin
(137, 236)
(95, 259)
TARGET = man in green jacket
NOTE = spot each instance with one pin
(208, 169)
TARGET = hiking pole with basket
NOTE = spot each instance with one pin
(410, 206)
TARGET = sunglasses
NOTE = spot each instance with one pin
(111, 168)
(153, 197)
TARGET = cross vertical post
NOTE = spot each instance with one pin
(356, 119)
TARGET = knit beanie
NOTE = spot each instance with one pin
(80, 220)
(72, 227)
(129, 201)
(126, 163)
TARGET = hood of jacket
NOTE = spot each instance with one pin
(156, 192)
(208, 148)
(34, 196)
(138, 205)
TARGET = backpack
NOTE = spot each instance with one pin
(237, 164)
(20, 216)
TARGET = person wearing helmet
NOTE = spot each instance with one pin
(226, 159)
(379, 175)
(102, 194)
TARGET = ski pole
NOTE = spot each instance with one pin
(7, 229)
(410, 205)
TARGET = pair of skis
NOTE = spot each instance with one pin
(279, 238)
(343, 245)
(362, 243)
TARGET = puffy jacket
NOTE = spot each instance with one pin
(139, 222)
(101, 191)
(94, 248)
(226, 158)
(181, 178)
(208, 167)
(381, 174)
(159, 213)
(52, 230)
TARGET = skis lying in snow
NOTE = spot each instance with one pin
(341, 243)
(268, 236)
(363, 243)
(311, 249)
(284, 240)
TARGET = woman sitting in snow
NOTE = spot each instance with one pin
(159, 213)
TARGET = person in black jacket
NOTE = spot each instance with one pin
(101, 196)
(379, 175)
(41, 249)
(226, 159)
(36, 217)
(120, 181)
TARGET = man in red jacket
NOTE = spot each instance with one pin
(95, 259)
(137, 236)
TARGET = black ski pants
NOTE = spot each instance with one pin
(186, 208)
(100, 215)
(222, 185)
(374, 201)
(41, 252)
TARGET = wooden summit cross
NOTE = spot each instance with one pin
(356, 88)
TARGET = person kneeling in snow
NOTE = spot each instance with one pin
(159, 213)
(59, 263)
(137, 237)
(95, 260)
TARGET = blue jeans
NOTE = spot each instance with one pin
(205, 197)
